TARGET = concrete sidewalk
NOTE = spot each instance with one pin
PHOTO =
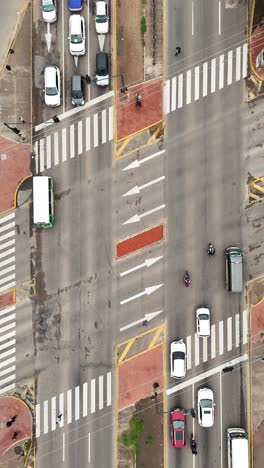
(10, 18)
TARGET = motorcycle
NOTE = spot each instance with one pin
(187, 279)
(193, 445)
(211, 249)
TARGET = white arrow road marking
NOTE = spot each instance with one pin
(137, 188)
(147, 263)
(205, 375)
(137, 163)
(137, 217)
(147, 291)
(101, 39)
(76, 59)
(147, 317)
(48, 37)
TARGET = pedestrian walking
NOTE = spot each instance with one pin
(177, 50)
(59, 418)
(56, 119)
(138, 100)
(88, 79)
(11, 421)
(21, 119)
(11, 51)
(14, 436)
(8, 68)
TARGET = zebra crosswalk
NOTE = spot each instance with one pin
(7, 252)
(74, 139)
(74, 404)
(225, 336)
(205, 79)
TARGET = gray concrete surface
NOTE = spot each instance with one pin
(9, 20)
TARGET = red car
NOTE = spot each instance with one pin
(177, 428)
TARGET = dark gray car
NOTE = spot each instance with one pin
(78, 90)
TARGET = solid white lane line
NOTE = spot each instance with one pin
(45, 416)
(7, 261)
(36, 150)
(188, 86)
(238, 63)
(63, 59)
(7, 270)
(61, 409)
(221, 337)
(80, 137)
(229, 333)
(244, 62)
(8, 344)
(8, 286)
(221, 71)
(198, 378)
(237, 329)
(69, 406)
(196, 349)
(192, 19)
(77, 403)
(7, 278)
(53, 413)
(219, 17)
(41, 154)
(166, 105)
(101, 392)
(64, 144)
(63, 446)
(95, 130)
(229, 67)
(89, 447)
(7, 336)
(7, 235)
(213, 341)
(87, 134)
(180, 90)
(56, 148)
(110, 123)
(85, 399)
(173, 93)
(6, 218)
(37, 420)
(204, 349)
(5, 227)
(103, 126)
(7, 362)
(197, 83)
(245, 326)
(7, 244)
(189, 351)
(7, 371)
(213, 74)
(92, 396)
(109, 389)
(48, 152)
(88, 46)
(221, 420)
(72, 141)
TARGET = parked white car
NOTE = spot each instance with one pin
(203, 321)
(52, 83)
(101, 18)
(178, 359)
(48, 8)
(206, 407)
(77, 35)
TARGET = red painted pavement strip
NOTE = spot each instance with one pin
(256, 45)
(257, 322)
(7, 299)
(136, 377)
(130, 118)
(13, 170)
(9, 407)
(140, 241)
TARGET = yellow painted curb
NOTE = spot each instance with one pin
(15, 195)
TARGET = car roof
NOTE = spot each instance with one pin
(202, 310)
(205, 393)
(75, 3)
(50, 72)
(178, 413)
(75, 21)
(100, 8)
(178, 346)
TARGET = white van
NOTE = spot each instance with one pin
(237, 442)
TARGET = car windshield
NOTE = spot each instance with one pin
(77, 94)
(76, 38)
(178, 424)
(47, 5)
(51, 91)
(101, 19)
(178, 355)
(206, 403)
(203, 317)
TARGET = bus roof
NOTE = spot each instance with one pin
(41, 200)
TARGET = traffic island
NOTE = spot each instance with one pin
(255, 79)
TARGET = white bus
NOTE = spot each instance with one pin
(43, 202)
(237, 441)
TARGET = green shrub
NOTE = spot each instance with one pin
(149, 440)
(27, 445)
(143, 25)
(130, 438)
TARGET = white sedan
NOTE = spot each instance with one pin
(52, 86)
(77, 35)
(101, 18)
(178, 359)
(203, 321)
(48, 8)
(206, 407)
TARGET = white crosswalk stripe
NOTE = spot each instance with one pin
(224, 335)
(73, 404)
(209, 76)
